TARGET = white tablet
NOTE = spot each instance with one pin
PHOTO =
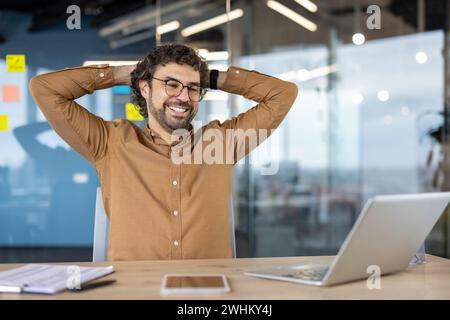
(192, 284)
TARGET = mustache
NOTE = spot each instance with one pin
(185, 105)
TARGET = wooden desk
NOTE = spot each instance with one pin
(142, 280)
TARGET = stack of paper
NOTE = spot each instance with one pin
(49, 279)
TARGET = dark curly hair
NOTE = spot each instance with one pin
(163, 55)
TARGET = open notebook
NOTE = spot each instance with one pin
(49, 279)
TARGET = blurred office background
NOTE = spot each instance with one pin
(371, 117)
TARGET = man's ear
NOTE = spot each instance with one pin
(145, 88)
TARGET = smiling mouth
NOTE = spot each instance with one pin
(179, 110)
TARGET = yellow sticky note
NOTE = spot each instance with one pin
(3, 122)
(132, 112)
(10, 93)
(15, 62)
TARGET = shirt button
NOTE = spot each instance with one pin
(175, 243)
(175, 213)
(102, 74)
(174, 182)
(237, 71)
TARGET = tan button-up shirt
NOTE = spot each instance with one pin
(159, 208)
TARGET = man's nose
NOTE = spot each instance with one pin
(184, 95)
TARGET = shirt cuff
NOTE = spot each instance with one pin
(235, 80)
(102, 76)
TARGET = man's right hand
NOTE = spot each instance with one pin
(122, 75)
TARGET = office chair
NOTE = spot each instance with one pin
(101, 230)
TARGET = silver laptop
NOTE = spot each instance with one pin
(387, 234)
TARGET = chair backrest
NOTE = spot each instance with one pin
(101, 229)
(232, 226)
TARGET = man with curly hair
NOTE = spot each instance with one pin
(159, 208)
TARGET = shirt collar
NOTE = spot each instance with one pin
(156, 138)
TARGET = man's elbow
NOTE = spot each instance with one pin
(35, 84)
(38, 86)
(40, 91)
(292, 91)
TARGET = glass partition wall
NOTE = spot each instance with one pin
(370, 119)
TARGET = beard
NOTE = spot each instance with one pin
(170, 121)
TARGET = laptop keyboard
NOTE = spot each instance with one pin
(308, 273)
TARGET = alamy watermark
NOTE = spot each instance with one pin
(374, 280)
(73, 278)
(220, 146)
(74, 20)
(374, 20)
